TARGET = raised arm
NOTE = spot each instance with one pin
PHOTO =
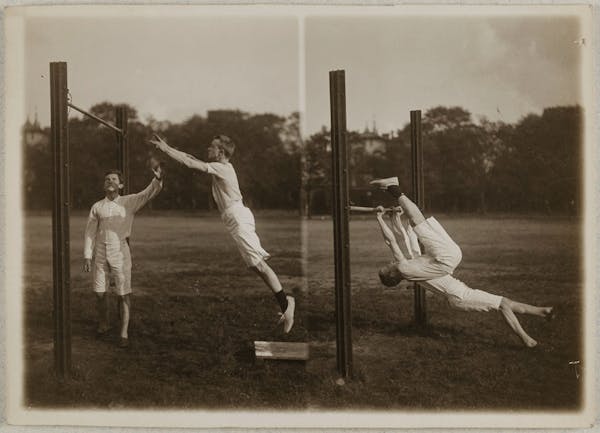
(389, 238)
(405, 235)
(137, 201)
(89, 239)
(179, 156)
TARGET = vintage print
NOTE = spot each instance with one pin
(285, 216)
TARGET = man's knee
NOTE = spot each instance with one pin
(125, 299)
(456, 256)
(505, 304)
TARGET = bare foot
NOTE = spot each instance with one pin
(549, 313)
(530, 342)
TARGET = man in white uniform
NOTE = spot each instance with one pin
(106, 248)
(434, 268)
(238, 219)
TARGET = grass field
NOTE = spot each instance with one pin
(196, 311)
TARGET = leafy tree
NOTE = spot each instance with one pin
(540, 166)
(37, 174)
(454, 156)
(316, 173)
(533, 165)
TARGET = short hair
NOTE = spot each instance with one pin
(115, 171)
(226, 144)
(390, 275)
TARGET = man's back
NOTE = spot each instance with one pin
(225, 186)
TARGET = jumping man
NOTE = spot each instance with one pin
(238, 219)
(106, 248)
(434, 268)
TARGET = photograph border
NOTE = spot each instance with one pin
(14, 110)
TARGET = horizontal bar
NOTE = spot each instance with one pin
(96, 118)
(374, 209)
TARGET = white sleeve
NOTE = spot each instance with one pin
(91, 229)
(184, 158)
(222, 171)
(137, 201)
(407, 239)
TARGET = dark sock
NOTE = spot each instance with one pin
(282, 300)
(394, 190)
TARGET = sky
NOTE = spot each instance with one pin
(170, 68)
(498, 67)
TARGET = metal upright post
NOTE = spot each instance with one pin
(341, 212)
(418, 194)
(123, 145)
(60, 219)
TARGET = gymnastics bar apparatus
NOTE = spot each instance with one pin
(341, 213)
(59, 125)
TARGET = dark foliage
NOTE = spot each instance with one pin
(534, 165)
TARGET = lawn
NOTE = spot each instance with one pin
(196, 311)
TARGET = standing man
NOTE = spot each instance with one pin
(106, 247)
(238, 219)
(435, 266)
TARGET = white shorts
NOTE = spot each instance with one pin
(461, 296)
(475, 300)
(239, 221)
(440, 257)
(112, 260)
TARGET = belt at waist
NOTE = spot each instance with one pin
(113, 242)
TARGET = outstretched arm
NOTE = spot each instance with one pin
(388, 236)
(179, 156)
(137, 201)
(405, 235)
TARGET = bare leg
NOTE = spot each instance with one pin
(521, 308)
(513, 322)
(125, 305)
(268, 276)
(286, 303)
(102, 309)
(411, 210)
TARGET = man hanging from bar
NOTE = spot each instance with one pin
(433, 269)
(106, 248)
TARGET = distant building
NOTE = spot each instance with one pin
(369, 141)
(363, 144)
(33, 134)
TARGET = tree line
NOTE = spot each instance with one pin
(533, 165)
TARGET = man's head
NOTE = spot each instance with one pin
(390, 275)
(221, 148)
(113, 181)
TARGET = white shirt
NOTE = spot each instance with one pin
(110, 221)
(409, 244)
(225, 186)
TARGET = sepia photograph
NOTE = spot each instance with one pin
(300, 216)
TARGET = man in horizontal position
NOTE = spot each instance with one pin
(434, 267)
